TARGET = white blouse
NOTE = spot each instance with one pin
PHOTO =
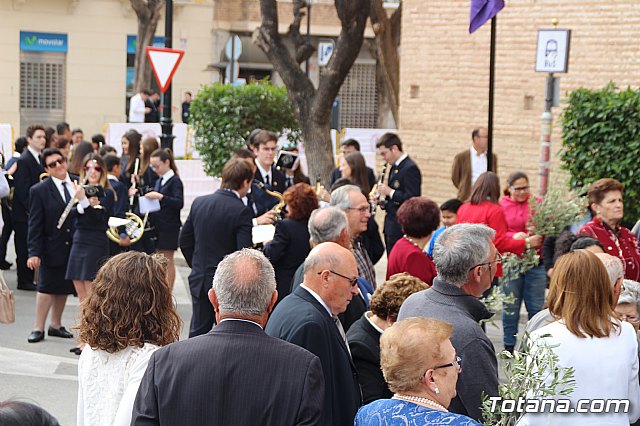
(108, 384)
(604, 368)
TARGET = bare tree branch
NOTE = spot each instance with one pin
(148, 13)
(304, 49)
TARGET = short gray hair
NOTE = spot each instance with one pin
(630, 294)
(613, 265)
(244, 283)
(340, 197)
(460, 248)
(326, 224)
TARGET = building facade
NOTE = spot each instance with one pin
(70, 60)
(445, 76)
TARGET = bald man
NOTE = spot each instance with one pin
(308, 317)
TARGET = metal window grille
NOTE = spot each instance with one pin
(359, 97)
(41, 85)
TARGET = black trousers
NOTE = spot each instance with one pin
(25, 275)
(7, 229)
(203, 316)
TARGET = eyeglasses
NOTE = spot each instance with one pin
(54, 163)
(353, 281)
(519, 188)
(96, 168)
(457, 363)
(497, 260)
(361, 210)
(628, 318)
(154, 166)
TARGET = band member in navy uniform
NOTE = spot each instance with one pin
(90, 243)
(218, 224)
(27, 174)
(264, 147)
(49, 246)
(121, 205)
(170, 192)
(404, 182)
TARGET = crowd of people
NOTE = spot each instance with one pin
(316, 337)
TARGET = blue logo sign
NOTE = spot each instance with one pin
(132, 42)
(43, 42)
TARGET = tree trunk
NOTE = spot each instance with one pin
(387, 32)
(148, 13)
(313, 106)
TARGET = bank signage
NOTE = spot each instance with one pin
(43, 42)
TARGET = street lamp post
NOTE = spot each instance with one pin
(166, 139)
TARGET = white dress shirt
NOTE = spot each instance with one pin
(35, 153)
(478, 164)
(165, 177)
(265, 174)
(136, 109)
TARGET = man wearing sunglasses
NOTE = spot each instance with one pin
(466, 260)
(308, 317)
(49, 244)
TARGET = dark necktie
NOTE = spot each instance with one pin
(67, 196)
(267, 181)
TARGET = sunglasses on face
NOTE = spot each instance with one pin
(96, 168)
(54, 163)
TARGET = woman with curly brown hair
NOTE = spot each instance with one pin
(290, 244)
(364, 334)
(129, 314)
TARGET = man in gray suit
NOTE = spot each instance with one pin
(235, 374)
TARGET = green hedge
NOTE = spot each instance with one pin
(223, 116)
(601, 138)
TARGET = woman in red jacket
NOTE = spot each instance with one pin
(483, 208)
(419, 217)
(605, 201)
(531, 285)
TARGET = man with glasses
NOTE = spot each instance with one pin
(466, 260)
(350, 200)
(27, 174)
(471, 163)
(49, 244)
(308, 317)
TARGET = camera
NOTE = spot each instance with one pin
(144, 190)
(93, 191)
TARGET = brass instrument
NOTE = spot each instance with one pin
(135, 227)
(277, 209)
(43, 176)
(375, 197)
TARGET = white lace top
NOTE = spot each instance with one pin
(108, 383)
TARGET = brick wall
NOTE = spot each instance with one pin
(444, 77)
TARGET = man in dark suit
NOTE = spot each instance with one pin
(261, 214)
(218, 224)
(27, 174)
(308, 318)
(49, 245)
(263, 144)
(404, 182)
(236, 374)
(349, 146)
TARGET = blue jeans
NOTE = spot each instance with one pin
(529, 287)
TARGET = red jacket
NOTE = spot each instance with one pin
(491, 214)
(405, 257)
(621, 243)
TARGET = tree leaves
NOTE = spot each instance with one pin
(601, 138)
(223, 116)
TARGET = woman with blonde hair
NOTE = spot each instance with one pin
(588, 337)
(129, 314)
(420, 366)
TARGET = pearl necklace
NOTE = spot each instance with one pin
(413, 242)
(421, 400)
